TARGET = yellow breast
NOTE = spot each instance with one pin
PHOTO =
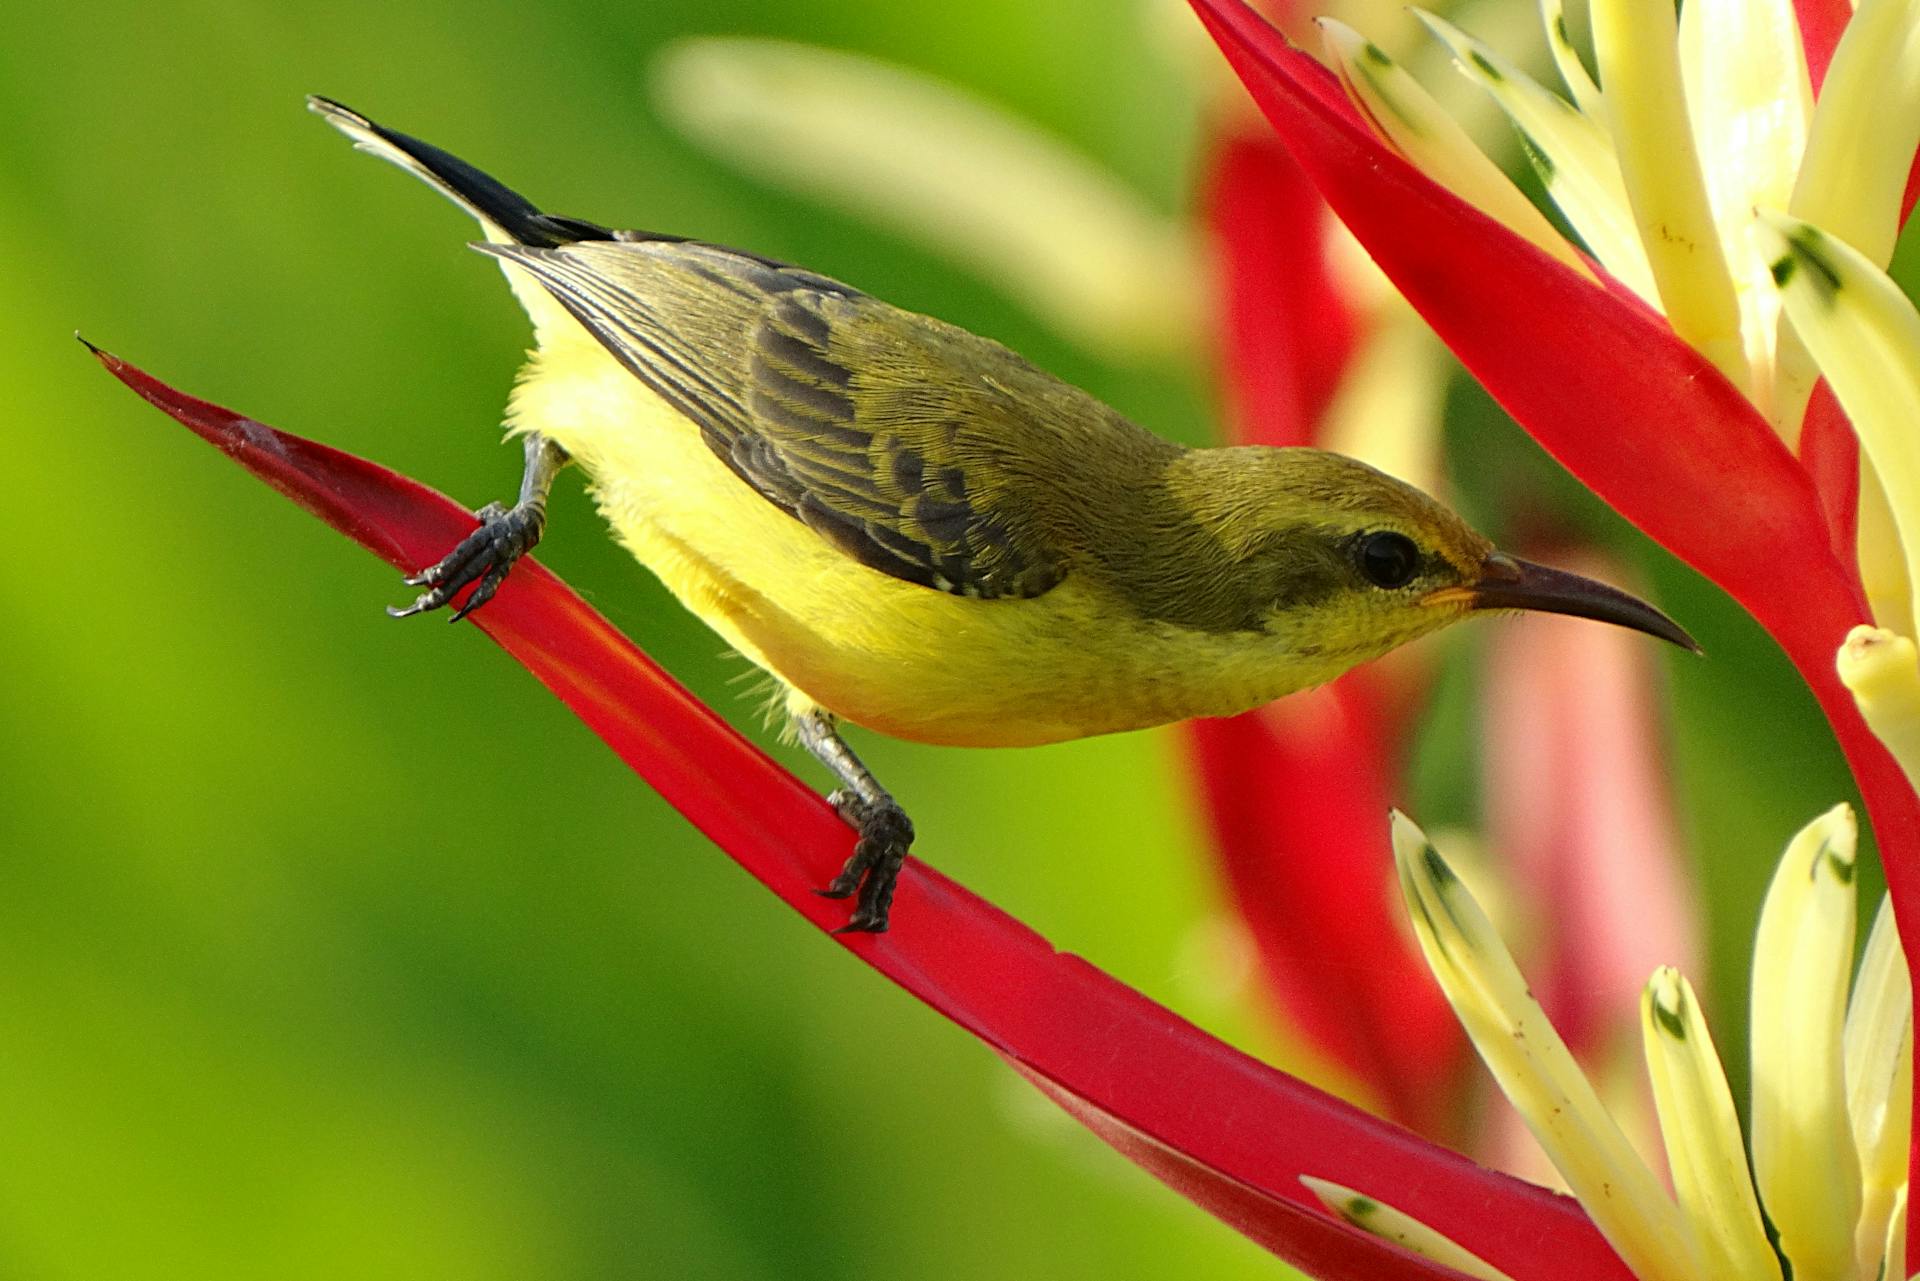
(894, 656)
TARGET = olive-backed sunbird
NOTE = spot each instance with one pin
(914, 529)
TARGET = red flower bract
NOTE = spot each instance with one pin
(1605, 387)
(1219, 1127)
(1286, 328)
(1821, 25)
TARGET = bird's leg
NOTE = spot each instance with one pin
(885, 831)
(505, 535)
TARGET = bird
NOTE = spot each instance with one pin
(914, 529)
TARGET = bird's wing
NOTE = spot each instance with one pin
(777, 368)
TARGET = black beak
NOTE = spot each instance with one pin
(1507, 582)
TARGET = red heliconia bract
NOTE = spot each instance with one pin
(1606, 388)
(1287, 329)
(1821, 24)
(1831, 454)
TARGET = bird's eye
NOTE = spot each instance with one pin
(1388, 559)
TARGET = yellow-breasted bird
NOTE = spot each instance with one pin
(914, 529)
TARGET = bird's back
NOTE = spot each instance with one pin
(925, 452)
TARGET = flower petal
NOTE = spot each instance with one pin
(1895, 1248)
(1748, 99)
(1882, 669)
(1857, 178)
(1865, 336)
(1705, 1150)
(1239, 1132)
(1879, 1072)
(1804, 1160)
(1534, 1069)
(1646, 111)
(1865, 129)
(1572, 153)
(1884, 572)
(1586, 95)
(1377, 1218)
(1425, 134)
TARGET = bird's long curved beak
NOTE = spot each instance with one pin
(1507, 582)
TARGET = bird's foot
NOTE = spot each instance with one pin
(505, 535)
(885, 835)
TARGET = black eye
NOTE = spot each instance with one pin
(1387, 559)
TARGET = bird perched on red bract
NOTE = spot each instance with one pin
(1224, 1130)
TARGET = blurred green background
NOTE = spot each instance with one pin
(331, 946)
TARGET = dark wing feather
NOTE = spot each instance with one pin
(755, 355)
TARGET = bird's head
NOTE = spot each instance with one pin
(1343, 562)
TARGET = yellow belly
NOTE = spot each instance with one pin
(894, 656)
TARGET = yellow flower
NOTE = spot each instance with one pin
(1726, 81)
(1697, 123)
(1832, 1080)
(1864, 335)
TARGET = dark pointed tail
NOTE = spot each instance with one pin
(496, 205)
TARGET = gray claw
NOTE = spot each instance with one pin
(485, 555)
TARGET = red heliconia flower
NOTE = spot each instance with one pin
(1643, 369)
(1602, 383)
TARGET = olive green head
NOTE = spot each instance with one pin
(1343, 562)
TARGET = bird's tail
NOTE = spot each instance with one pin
(498, 207)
